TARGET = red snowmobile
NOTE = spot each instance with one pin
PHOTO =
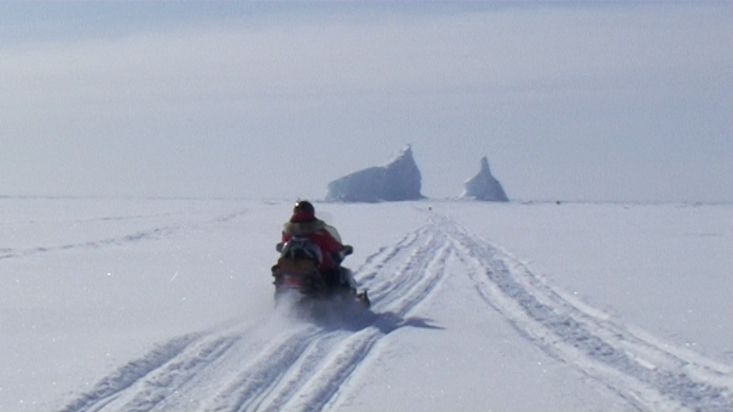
(296, 271)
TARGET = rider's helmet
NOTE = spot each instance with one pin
(303, 211)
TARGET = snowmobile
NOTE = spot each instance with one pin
(296, 273)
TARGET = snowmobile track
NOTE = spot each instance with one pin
(646, 374)
(154, 233)
(303, 368)
(287, 364)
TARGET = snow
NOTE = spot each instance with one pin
(166, 305)
(398, 180)
(484, 186)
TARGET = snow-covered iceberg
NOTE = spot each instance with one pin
(484, 186)
(400, 179)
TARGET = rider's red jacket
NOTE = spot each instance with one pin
(322, 235)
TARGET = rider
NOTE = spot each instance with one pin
(303, 223)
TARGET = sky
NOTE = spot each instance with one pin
(611, 101)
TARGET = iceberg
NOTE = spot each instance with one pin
(398, 180)
(484, 186)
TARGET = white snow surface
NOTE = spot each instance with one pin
(166, 305)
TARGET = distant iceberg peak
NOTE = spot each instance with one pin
(404, 155)
(484, 185)
(485, 165)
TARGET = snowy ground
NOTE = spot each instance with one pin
(166, 305)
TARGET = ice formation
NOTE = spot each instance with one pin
(484, 186)
(400, 179)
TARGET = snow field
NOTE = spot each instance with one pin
(456, 320)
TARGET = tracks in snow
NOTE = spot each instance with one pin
(297, 366)
(148, 234)
(649, 375)
(281, 364)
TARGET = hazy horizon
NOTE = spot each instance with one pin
(611, 102)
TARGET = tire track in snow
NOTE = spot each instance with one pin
(260, 376)
(152, 392)
(301, 369)
(110, 387)
(374, 264)
(168, 371)
(231, 216)
(307, 372)
(644, 373)
(149, 234)
(424, 269)
(294, 381)
(153, 233)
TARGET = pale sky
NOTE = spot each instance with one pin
(613, 101)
